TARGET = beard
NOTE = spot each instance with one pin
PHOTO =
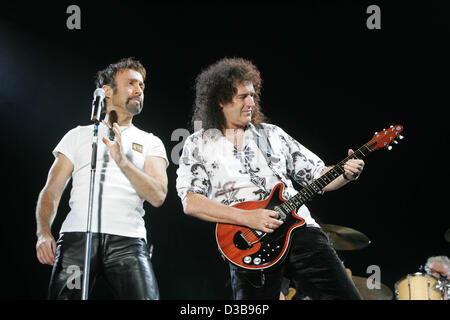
(133, 107)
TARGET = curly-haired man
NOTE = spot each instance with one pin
(233, 167)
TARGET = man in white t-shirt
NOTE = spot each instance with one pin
(223, 164)
(131, 168)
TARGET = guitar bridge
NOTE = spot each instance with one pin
(259, 235)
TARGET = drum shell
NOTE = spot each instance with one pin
(417, 286)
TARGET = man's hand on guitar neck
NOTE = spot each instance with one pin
(352, 169)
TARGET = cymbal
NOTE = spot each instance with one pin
(447, 235)
(344, 238)
(379, 291)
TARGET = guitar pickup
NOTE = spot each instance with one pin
(245, 239)
(241, 242)
(282, 215)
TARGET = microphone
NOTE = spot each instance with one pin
(112, 120)
(97, 104)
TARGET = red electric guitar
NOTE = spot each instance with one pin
(253, 249)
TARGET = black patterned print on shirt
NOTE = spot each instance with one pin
(246, 156)
(229, 192)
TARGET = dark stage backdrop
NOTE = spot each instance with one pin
(329, 81)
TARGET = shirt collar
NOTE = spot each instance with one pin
(253, 129)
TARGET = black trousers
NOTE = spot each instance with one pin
(123, 262)
(311, 264)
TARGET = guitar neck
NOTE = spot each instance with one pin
(308, 192)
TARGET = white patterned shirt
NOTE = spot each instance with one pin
(211, 165)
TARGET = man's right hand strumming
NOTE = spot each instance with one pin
(263, 220)
(199, 206)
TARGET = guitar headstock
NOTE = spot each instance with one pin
(384, 138)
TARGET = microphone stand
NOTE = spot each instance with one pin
(87, 255)
(96, 112)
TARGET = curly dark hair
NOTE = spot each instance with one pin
(107, 76)
(217, 84)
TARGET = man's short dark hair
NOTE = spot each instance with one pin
(107, 76)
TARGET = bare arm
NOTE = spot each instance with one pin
(47, 207)
(151, 182)
(201, 207)
(352, 168)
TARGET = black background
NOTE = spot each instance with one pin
(329, 81)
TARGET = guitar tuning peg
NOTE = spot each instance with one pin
(391, 126)
(389, 148)
(400, 137)
(395, 141)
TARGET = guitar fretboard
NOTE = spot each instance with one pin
(317, 185)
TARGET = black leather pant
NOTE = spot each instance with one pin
(123, 262)
(311, 264)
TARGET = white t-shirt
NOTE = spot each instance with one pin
(117, 208)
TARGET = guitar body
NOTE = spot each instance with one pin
(252, 249)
